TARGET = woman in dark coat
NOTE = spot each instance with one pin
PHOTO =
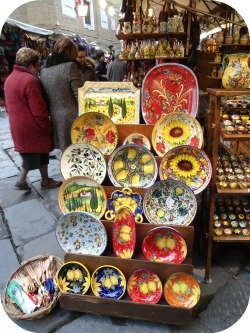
(61, 77)
(30, 125)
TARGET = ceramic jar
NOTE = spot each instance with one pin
(136, 26)
(219, 37)
(244, 39)
(236, 34)
(214, 72)
(126, 28)
(229, 39)
(163, 27)
(147, 25)
(237, 72)
(217, 58)
(172, 24)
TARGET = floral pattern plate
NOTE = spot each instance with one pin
(182, 290)
(164, 244)
(97, 129)
(169, 202)
(176, 129)
(138, 139)
(82, 194)
(83, 159)
(125, 198)
(124, 233)
(187, 164)
(81, 233)
(144, 286)
(108, 282)
(132, 166)
(169, 88)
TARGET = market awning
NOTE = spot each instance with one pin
(28, 27)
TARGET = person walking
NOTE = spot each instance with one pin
(100, 67)
(116, 69)
(87, 64)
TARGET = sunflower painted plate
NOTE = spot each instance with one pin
(169, 88)
(164, 244)
(97, 129)
(169, 202)
(108, 282)
(176, 129)
(132, 166)
(83, 159)
(81, 233)
(138, 139)
(144, 286)
(182, 290)
(82, 194)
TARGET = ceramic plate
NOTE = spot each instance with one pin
(144, 286)
(82, 194)
(82, 233)
(170, 202)
(124, 233)
(164, 244)
(125, 198)
(182, 290)
(187, 164)
(138, 139)
(176, 129)
(97, 129)
(83, 159)
(169, 88)
(108, 282)
(132, 166)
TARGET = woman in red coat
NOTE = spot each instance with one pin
(29, 120)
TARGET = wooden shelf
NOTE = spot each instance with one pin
(230, 191)
(221, 92)
(150, 36)
(231, 239)
(234, 136)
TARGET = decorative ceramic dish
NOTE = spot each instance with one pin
(176, 129)
(169, 202)
(182, 290)
(83, 159)
(138, 139)
(97, 129)
(132, 166)
(124, 233)
(187, 164)
(82, 233)
(169, 88)
(125, 198)
(144, 286)
(73, 277)
(108, 282)
(164, 244)
(82, 194)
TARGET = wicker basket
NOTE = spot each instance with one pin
(8, 305)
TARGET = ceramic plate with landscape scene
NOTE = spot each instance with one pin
(187, 164)
(83, 159)
(164, 244)
(169, 202)
(176, 129)
(82, 233)
(169, 88)
(82, 194)
(97, 129)
(132, 166)
(138, 139)
(118, 100)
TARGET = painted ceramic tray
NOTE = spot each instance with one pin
(132, 166)
(176, 129)
(164, 244)
(82, 194)
(118, 100)
(97, 129)
(124, 233)
(187, 164)
(169, 88)
(125, 198)
(108, 282)
(83, 159)
(138, 139)
(82, 233)
(182, 290)
(144, 286)
(169, 202)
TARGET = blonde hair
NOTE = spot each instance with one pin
(65, 46)
(26, 57)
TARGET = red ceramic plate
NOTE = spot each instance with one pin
(164, 244)
(169, 88)
(144, 286)
(124, 233)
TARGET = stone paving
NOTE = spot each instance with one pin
(27, 229)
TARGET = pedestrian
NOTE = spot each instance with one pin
(30, 124)
(61, 77)
(87, 64)
(117, 69)
(100, 67)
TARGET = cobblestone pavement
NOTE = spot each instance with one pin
(27, 229)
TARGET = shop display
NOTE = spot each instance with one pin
(174, 130)
(236, 116)
(80, 232)
(83, 159)
(138, 139)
